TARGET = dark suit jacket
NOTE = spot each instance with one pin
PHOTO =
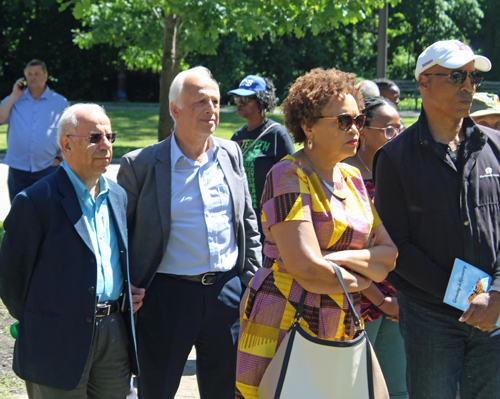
(145, 175)
(48, 277)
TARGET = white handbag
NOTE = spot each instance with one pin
(305, 366)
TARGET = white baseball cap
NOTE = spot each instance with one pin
(451, 54)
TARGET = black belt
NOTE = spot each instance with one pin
(104, 309)
(204, 279)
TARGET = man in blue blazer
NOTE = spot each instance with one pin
(64, 271)
(194, 244)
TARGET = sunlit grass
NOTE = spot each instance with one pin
(138, 128)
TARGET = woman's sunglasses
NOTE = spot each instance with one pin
(458, 77)
(345, 121)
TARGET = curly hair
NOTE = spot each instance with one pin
(310, 93)
(267, 99)
(372, 105)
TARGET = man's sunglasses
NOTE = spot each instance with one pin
(243, 99)
(345, 121)
(458, 77)
(389, 131)
(95, 138)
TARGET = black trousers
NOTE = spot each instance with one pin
(178, 314)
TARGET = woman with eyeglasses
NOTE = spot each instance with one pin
(379, 304)
(263, 141)
(314, 209)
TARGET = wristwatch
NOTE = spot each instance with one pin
(60, 159)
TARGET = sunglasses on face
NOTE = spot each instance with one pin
(458, 77)
(345, 121)
(95, 138)
(389, 131)
(243, 99)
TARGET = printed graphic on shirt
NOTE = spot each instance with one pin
(249, 164)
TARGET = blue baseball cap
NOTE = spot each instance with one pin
(250, 85)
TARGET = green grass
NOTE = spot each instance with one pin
(138, 128)
(409, 121)
(409, 104)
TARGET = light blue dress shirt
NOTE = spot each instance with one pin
(202, 237)
(102, 233)
(32, 132)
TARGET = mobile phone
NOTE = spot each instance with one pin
(23, 85)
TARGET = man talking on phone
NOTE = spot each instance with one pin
(32, 111)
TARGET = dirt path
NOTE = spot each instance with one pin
(10, 384)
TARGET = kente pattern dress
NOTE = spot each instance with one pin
(269, 303)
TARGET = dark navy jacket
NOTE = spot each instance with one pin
(436, 212)
(48, 277)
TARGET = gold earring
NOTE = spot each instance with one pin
(310, 144)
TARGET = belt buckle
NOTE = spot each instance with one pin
(104, 306)
(203, 281)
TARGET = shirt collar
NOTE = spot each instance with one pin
(210, 154)
(81, 191)
(472, 134)
(46, 92)
(45, 95)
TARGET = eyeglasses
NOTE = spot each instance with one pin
(243, 99)
(95, 138)
(458, 77)
(389, 131)
(345, 121)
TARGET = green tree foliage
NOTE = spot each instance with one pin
(488, 38)
(187, 25)
(414, 25)
(36, 29)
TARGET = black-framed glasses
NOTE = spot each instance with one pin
(345, 121)
(243, 99)
(389, 131)
(95, 138)
(458, 77)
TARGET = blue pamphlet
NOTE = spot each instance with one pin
(466, 283)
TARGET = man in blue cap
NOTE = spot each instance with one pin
(263, 141)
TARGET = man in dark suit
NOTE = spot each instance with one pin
(64, 271)
(194, 244)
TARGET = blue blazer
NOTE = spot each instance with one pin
(48, 277)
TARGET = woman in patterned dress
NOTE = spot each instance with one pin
(314, 208)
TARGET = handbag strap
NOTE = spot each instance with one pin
(259, 136)
(357, 321)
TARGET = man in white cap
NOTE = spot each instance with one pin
(485, 110)
(437, 191)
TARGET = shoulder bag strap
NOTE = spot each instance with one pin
(259, 136)
(357, 321)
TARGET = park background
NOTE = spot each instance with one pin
(114, 52)
(100, 51)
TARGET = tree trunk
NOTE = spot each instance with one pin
(170, 68)
(121, 92)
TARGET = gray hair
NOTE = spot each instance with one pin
(69, 121)
(174, 95)
(368, 88)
